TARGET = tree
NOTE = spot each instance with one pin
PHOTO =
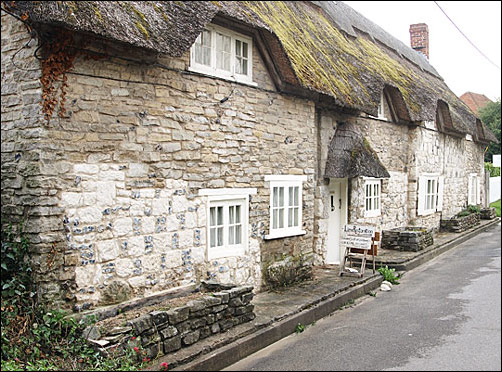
(490, 115)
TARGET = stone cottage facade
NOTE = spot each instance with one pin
(194, 144)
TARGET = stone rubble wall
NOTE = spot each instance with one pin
(407, 239)
(488, 213)
(162, 332)
(31, 179)
(459, 224)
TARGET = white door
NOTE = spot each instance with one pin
(337, 204)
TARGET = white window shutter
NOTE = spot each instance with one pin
(439, 206)
(422, 186)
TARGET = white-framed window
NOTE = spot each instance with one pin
(285, 205)
(227, 221)
(223, 53)
(372, 197)
(430, 194)
(474, 195)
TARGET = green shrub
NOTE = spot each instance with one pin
(496, 205)
(389, 274)
(37, 339)
(473, 208)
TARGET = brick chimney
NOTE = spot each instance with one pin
(419, 38)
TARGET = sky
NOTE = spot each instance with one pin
(461, 66)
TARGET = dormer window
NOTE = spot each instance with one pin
(223, 53)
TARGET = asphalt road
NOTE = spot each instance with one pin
(445, 315)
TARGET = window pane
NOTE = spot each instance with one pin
(238, 62)
(245, 50)
(296, 213)
(244, 69)
(275, 196)
(291, 197)
(231, 214)
(275, 218)
(206, 56)
(281, 218)
(290, 217)
(281, 196)
(220, 215)
(197, 53)
(238, 234)
(223, 52)
(238, 48)
(206, 38)
(212, 216)
(231, 235)
(220, 236)
(202, 51)
(238, 214)
(212, 237)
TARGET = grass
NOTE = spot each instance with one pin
(496, 204)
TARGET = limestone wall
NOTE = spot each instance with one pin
(137, 144)
(30, 178)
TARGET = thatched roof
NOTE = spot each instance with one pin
(169, 27)
(325, 48)
(350, 155)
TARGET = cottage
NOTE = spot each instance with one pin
(152, 145)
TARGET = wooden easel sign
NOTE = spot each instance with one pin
(358, 237)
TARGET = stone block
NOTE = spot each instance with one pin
(159, 317)
(184, 327)
(196, 305)
(141, 324)
(108, 250)
(191, 337)
(168, 333)
(198, 323)
(205, 332)
(172, 344)
(212, 300)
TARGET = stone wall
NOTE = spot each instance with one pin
(118, 178)
(161, 332)
(407, 239)
(31, 180)
(454, 158)
(390, 142)
(459, 224)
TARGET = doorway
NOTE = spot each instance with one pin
(337, 205)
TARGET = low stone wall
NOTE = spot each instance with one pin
(487, 213)
(161, 332)
(288, 271)
(459, 224)
(407, 238)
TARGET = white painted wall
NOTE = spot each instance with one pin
(494, 189)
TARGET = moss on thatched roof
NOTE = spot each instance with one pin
(350, 155)
(321, 47)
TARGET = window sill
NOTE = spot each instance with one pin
(370, 214)
(225, 253)
(284, 234)
(219, 76)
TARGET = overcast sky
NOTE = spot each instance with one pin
(462, 67)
